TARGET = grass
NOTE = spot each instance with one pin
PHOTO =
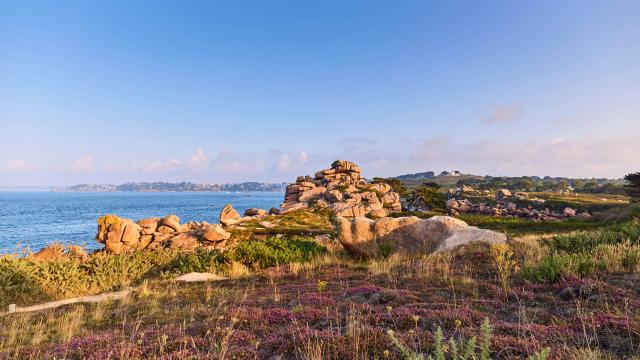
(570, 296)
(582, 241)
(312, 219)
(613, 248)
(518, 226)
(26, 281)
(332, 307)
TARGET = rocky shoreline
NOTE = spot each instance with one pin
(339, 189)
(360, 210)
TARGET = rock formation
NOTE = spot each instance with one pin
(503, 194)
(343, 190)
(506, 208)
(120, 235)
(229, 215)
(368, 238)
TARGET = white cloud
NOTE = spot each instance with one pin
(576, 157)
(198, 161)
(284, 162)
(572, 156)
(303, 157)
(18, 165)
(504, 113)
(84, 163)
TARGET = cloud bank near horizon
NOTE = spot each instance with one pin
(583, 157)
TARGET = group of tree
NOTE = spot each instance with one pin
(534, 183)
(426, 196)
(632, 187)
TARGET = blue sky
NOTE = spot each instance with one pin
(225, 91)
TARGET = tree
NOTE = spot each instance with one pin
(578, 184)
(632, 187)
(426, 197)
(561, 185)
(396, 184)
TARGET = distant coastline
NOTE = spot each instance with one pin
(161, 186)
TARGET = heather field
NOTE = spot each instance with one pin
(574, 295)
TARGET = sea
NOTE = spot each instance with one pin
(30, 220)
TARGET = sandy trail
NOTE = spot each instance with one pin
(116, 295)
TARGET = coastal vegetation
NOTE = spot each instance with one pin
(293, 285)
(569, 295)
(633, 186)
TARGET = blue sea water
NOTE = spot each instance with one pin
(36, 218)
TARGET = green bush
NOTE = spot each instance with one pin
(63, 277)
(548, 270)
(454, 349)
(583, 241)
(109, 271)
(26, 281)
(274, 251)
(555, 266)
(201, 260)
(17, 285)
(631, 259)
(515, 226)
(427, 195)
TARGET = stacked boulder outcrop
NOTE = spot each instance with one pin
(342, 189)
(121, 235)
(506, 205)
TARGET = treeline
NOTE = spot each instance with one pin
(547, 183)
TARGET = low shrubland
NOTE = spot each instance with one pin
(519, 226)
(25, 280)
(572, 295)
(446, 305)
(613, 248)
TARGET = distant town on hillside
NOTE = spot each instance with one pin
(177, 186)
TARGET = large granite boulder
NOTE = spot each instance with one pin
(366, 238)
(229, 215)
(119, 235)
(172, 221)
(215, 233)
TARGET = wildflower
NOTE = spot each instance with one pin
(389, 308)
(457, 323)
(415, 318)
(386, 353)
(321, 285)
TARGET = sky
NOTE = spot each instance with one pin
(230, 91)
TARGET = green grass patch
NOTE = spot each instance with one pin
(583, 241)
(275, 251)
(556, 266)
(519, 226)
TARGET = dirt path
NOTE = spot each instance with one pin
(116, 295)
